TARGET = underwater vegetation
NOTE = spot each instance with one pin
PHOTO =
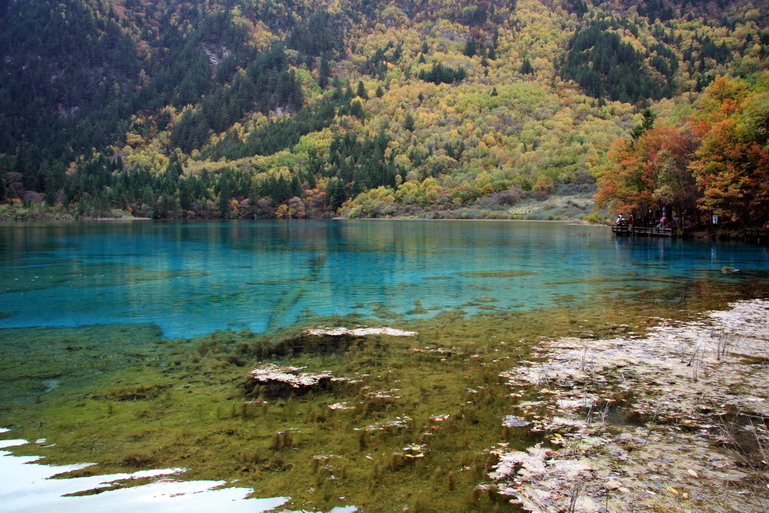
(402, 423)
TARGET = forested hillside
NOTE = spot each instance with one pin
(299, 108)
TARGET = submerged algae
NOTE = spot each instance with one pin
(82, 274)
(202, 420)
(35, 361)
(449, 402)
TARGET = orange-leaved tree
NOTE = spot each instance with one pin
(621, 186)
(650, 172)
(731, 165)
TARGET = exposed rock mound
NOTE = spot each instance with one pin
(275, 381)
(331, 340)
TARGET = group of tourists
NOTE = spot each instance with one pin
(650, 220)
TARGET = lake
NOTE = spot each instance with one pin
(126, 343)
(190, 279)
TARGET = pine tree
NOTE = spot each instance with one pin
(408, 122)
(647, 123)
(174, 168)
(356, 109)
(361, 92)
(470, 47)
(325, 72)
(526, 67)
(296, 187)
(335, 193)
(224, 196)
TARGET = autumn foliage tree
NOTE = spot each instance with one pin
(715, 162)
(731, 165)
(650, 173)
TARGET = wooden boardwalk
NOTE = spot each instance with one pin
(641, 231)
(758, 235)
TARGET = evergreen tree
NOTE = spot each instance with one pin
(224, 195)
(647, 123)
(296, 187)
(174, 167)
(526, 67)
(408, 122)
(470, 47)
(356, 109)
(335, 193)
(361, 91)
(324, 73)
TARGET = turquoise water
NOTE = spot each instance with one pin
(194, 278)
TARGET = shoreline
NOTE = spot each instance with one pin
(568, 221)
(334, 218)
(128, 220)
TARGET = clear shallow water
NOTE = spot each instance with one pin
(194, 278)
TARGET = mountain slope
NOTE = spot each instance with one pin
(258, 108)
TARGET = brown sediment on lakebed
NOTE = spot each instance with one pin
(675, 420)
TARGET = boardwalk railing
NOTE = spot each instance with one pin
(759, 235)
(652, 231)
(641, 231)
(621, 229)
